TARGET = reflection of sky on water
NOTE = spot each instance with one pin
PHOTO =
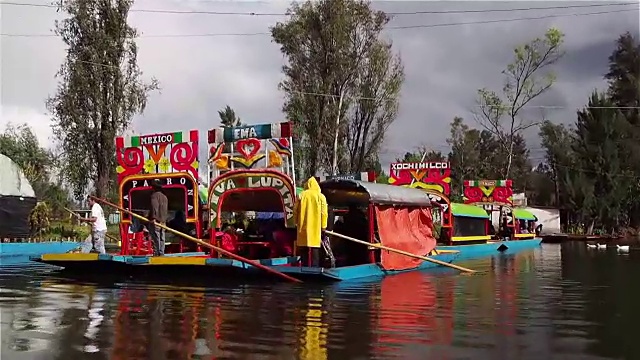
(524, 306)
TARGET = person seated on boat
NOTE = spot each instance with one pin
(355, 225)
(136, 225)
(179, 222)
(238, 222)
(445, 236)
(283, 241)
(505, 229)
(228, 239)
(538, 229)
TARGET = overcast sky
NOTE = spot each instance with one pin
(444, 65)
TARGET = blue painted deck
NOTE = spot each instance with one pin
(35, 249)
(359, 271)
(237, 268)
(489, 249)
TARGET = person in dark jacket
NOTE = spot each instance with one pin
(158, 215)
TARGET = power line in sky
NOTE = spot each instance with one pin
(418, 26)
(420, 12)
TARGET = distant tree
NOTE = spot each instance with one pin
(422, 154)
(335, 59)
(21, 145)
(599, 147)
(624, 92)
(376, 106)
(38, 164)
(228, 117)
(557, 141)
(477, 155)
(624, 77)
(99, 90)
(501, 114)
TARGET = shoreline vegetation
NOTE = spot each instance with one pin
(336, 62)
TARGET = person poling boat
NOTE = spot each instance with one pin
(200, 242)
(98, 223)
(311, 213)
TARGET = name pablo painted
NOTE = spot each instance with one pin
(132, 188)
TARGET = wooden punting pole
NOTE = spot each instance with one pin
(203, 243)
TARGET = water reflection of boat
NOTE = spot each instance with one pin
(421, 316)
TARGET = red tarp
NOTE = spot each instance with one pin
(410, 230)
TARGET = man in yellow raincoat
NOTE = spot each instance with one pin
(311, 213)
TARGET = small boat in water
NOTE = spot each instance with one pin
(211, 246)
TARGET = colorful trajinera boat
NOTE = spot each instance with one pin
(468, 227)
(249, 213)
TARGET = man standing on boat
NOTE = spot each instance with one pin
(311, 214)
(98, 228)
(158, 214)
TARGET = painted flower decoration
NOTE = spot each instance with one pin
(150, 166)
(164, 164)
(275, 160)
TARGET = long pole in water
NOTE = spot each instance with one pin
(382, 247)
(202, 243)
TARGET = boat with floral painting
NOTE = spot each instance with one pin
(248, 215)
(467, 227)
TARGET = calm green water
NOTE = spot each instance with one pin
(557, 302)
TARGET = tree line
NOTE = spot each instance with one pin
(342, 83)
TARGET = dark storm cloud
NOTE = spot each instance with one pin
(444, 66)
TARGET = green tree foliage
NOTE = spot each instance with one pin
(624, 77)
(551, 176)
(377, 89)
(99, 90)
(228, 117)
(594, 165)
(479, 154)
(341, 83)
(421, 154)
(526, 78)
(21, 145)
(38, 164)
(600, 133)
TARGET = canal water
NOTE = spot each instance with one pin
(556, 302)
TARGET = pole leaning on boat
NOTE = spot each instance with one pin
(203, 243)
(382, 247)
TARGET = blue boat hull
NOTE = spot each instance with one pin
(489, 249)
(24, 250)
(196, 265)
(358, 272)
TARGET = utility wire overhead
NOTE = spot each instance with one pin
(419, 12)
(421, 26)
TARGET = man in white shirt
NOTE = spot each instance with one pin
(98, 228)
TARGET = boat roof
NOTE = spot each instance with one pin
(471, 211)
(342, 191)
(524, 214)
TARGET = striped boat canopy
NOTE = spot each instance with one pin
(523, 214)
(471, 211)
